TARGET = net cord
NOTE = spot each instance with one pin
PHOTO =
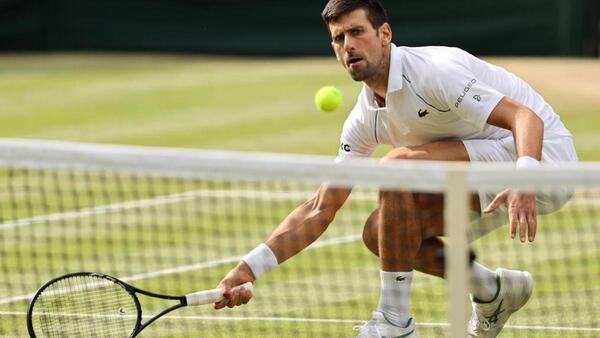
(426, 176)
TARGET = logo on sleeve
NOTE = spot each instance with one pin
(345, 147)
(464, 92)
(423, 113)
(477, 98)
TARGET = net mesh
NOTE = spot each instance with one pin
(84, 306)
(175, 222)
(563, 261)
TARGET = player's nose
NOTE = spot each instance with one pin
(349, 43)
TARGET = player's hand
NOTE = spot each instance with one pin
(237, 276)
(522, 212)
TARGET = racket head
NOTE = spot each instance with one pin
(84, 304)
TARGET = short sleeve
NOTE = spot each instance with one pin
(468, 96)
(358, 134)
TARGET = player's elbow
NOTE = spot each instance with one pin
(538, 121)
(530, 119)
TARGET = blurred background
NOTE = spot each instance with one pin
(511, 27)
(242, 75)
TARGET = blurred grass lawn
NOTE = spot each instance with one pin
(256, 104)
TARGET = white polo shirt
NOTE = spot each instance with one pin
(438, 93)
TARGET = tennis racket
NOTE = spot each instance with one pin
(90, 304)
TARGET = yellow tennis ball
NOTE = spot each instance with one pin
(328, 98)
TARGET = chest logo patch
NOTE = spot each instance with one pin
(423, 113)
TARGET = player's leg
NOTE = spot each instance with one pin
(402, 228)
(401, 223)
(514, 288)
(491, 289)
(429, 211)
(401, 231)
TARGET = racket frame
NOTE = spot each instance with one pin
(132, 290)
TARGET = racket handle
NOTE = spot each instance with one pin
(211, 296)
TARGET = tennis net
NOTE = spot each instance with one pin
(174, 221)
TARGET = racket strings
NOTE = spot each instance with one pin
(84, 306)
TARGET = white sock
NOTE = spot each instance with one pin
(393, 299)
(484, 284)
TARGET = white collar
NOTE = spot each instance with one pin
(395, 76)
(395, 81)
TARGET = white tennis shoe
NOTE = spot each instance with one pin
(488, 318)
(380, 327)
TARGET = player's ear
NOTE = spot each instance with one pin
(385, 31)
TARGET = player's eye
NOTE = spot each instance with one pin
(338, 38)
(356, 31)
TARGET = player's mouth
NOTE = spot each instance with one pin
(354, 62)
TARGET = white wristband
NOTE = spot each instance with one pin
(524, 162)
(260, 260)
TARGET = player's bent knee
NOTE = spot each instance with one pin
(405, 153)
(392, 197)
(401, 153)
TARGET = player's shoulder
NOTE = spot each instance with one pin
(431, 68)
(435, 55)
(431, 62)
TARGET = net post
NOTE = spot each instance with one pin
(456, 209)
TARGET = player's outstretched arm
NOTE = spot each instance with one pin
(528, 132)
(297, 231)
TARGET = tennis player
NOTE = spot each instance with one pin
(429, 103)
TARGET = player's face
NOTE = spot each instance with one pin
(359, 46)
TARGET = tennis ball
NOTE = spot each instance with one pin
(328, 98)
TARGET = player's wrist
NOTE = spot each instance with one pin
(525, 162)
(260, 260)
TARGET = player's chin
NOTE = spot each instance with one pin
(357, 75)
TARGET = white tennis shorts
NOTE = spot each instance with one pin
(555, 150)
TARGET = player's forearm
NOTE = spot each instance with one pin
(302, 227)
(528, 132)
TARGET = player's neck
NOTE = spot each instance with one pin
(379, 82)
(379, 100)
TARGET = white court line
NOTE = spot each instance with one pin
(190, 195)
(336, 321)
(169, 199)
(197, 266)
(174, 198)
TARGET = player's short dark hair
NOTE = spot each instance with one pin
(334, 9)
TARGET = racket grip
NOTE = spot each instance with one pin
(211, 296)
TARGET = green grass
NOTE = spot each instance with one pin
(228, 103)
(203, 102)
(257, 105)
(338, 282)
